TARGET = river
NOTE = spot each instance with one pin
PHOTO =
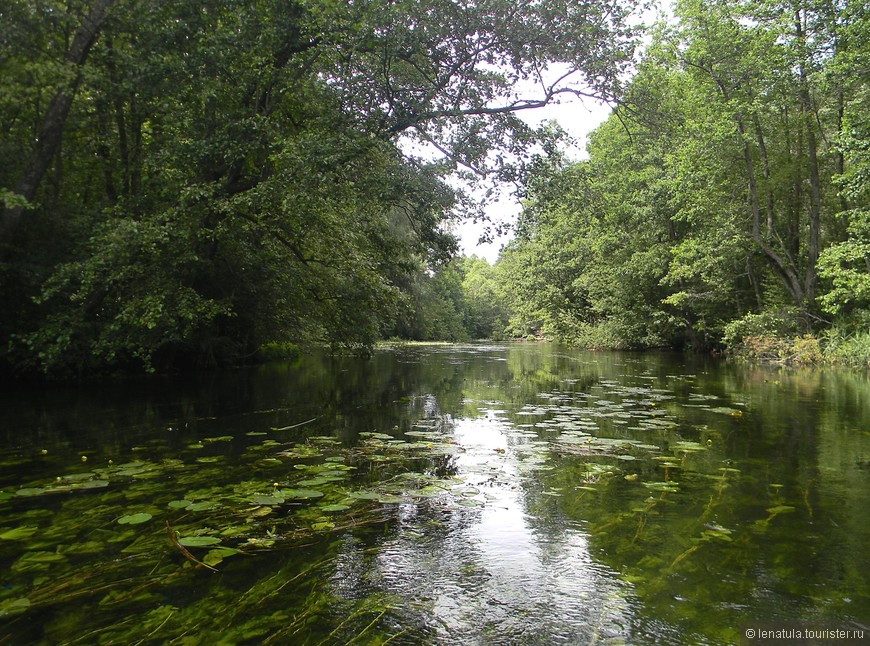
(438, 494)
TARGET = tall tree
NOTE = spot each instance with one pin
(236, 173)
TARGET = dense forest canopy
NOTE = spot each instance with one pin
(185, 183)
(725, 200)
(194, 184)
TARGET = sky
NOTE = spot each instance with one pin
(578, 118)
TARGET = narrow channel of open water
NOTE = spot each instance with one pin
(476, 494)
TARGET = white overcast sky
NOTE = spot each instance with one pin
(578, 118)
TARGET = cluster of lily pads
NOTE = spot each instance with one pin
(603, 424)
(281, 492)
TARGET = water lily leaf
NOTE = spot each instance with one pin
(91, 484)
(30, 491)
(725, 410)
(301, 451)
(215, 556)
(267, 500)
(179, 504)
(429, 491)
(259, 512)
(316, 482)
(135, 519)
(666, 487)
(322, 526)
(335, 507)
(300, 494)
(75, 477)
(364, 495)
(199, 541)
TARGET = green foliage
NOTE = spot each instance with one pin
(723, 192)
(223, 175)
(852, 349)
(785, 322)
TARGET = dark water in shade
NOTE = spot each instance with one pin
(511, 494)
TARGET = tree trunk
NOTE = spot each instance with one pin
(815, 203)
(54, 118)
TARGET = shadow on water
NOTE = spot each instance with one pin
(503, 494)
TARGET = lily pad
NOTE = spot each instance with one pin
(215, 556)
(316, 482)
(90, 484)
(322, 526)
(364, 495)
(335, 507)
(135, 519)
(77, 477)
(179, 504)
(199, 541)
(267, 500)
(31, 491)
(300, 494)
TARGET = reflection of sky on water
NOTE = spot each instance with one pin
(494, 574)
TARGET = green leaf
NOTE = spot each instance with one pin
(199, 541)
(30, 491)
(267, 500)
(204, 505)
(135, 519)
(322, 526)
(300, 494)
(18, 533)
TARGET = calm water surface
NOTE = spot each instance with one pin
(515, 494)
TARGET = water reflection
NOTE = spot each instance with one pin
(648, 498)
(492, 574)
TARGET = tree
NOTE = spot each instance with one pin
(729, 179)
(233, 174)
